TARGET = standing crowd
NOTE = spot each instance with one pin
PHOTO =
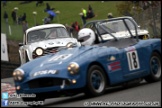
(73, 28)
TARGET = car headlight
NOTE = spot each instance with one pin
(69, 45)
(73, 68)
(18, 75)
(39, 51)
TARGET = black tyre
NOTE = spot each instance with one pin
(155, 68)
(96, 81)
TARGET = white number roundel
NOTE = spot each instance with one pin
(133, 60)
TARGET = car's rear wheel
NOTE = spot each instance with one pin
(96, 81)
(155, 68)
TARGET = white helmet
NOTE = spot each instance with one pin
(86, 36)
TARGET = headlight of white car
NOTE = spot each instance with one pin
(71, 45)
(18, 75)
(73, 68)
(39, 51)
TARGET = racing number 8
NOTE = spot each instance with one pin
(133, 60)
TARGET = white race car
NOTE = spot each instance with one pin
(39, 41)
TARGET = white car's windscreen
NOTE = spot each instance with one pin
(47, 33)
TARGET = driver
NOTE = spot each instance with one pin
(86, 36)
(53, 34)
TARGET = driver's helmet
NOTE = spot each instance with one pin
(86, 36)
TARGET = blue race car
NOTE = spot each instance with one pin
(115, 58)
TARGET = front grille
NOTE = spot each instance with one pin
(51, 50)
(45, 82)
(46, 51)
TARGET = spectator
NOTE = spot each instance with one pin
(5, 16)
(20, 19)
(4, 3)
(76, 26)
(69, 28)
(48, 8)
(14, 16)
(24, 26)
(51, 17)
(47, 20)
(110, 15)
(90, 13)
(89, 7)
(84, 15)
(23, 17)
(39, 2)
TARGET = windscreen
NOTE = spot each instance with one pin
(116, 28)
(48, 33)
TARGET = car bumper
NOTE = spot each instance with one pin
(35, 86)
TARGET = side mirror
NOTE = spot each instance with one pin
(21, 44)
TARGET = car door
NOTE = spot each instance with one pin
(132, 62)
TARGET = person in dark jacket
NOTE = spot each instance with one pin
(5, 16)
(90, 13)
(39, 2)
(13, 15)
(23, 17)
(48, 7)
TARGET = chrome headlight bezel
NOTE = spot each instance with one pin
(69, 45)
(39, 51)
(73, 68)
(18, 74)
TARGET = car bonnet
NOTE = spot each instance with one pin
(54, 61)
(52, 43)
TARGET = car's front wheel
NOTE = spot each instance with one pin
(96, 81)
(155, 68)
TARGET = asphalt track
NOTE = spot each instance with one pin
(144, 94)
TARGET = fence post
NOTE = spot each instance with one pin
(35, 21)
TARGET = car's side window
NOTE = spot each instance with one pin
(62, 32)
